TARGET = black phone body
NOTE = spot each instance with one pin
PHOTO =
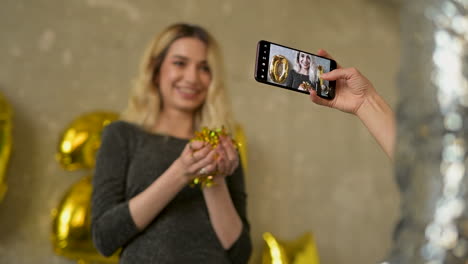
(293, 69)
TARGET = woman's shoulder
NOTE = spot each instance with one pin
(119, 126)
(122, 133)
(293, 72)
(122, 128)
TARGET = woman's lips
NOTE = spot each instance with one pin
(187, 93)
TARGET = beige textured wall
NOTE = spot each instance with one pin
(311, 168)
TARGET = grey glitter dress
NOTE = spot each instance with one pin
(129, 160)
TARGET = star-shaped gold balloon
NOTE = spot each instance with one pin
(299, 251)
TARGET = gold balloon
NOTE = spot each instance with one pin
(240, 138)
(300, 251)
(319, 74)
(71, 230)
(81, 139)
(5, 142)
(279, 69)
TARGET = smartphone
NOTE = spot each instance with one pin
(293, 69)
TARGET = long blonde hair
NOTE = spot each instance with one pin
(144, 105)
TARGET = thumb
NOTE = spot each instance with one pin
(319, 100)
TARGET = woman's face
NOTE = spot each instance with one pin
(184, 76)
(304, 60)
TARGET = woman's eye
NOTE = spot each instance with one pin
(205, 68)
(179, 63)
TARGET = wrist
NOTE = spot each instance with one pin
(219, 182)
(379, 119)
(372, 103)
(177, 171)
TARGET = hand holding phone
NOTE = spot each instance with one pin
(293, 69)
(351, 91)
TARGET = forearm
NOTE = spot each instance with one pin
(148, 204)
(223, 215)
(379, 119)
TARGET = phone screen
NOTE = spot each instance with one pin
(293, 69)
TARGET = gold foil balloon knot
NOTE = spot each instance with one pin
(212, 137)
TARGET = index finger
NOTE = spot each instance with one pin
(324, 53)
(342, 73)
(196, 144)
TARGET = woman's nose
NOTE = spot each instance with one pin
(191, 74)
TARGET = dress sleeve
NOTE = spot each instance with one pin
(241, 250)
(112, 226)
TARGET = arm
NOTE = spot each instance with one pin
(148, 204)
(112, 225)
(355, 94)
(379, 119)
(226, 202)
(223, 215)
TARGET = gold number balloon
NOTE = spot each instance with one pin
(5, 142)
(279, 68)
(300, 251)
(71, 229)
(81, 139)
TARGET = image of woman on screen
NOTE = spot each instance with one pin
(303, 76)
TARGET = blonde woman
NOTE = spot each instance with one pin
(142, 201)
(303, 76)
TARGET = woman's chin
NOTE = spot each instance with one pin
(188, 103)
(189, 107)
